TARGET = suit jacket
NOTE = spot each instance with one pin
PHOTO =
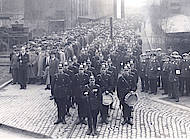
(53, 67)
(14, 61)
(94, 98)
(45, 64)
(62, 84)
(23, 60)
(40, 60)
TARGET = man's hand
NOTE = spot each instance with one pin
(86, 93)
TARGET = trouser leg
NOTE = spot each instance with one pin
(52, 85)
(142, 83)
(94, 118)
(181, 85)
(104, 112)
(176, 90)
(146, 83)
(126, 111)
(158, 81)
(188, 86)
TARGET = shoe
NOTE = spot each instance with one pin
(142, 90)
(88, 132)
(51, 98)
(124, 122)
(58, 121)
(63, 121)
(171, 97)
(129, 122)
(78, 122)
(95, 132)
(155, 93)
(150, 92)
(68, 114)
(21, 88)
(177, 100)
(164, 93)
(84, 122)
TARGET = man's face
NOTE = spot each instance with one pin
(66, 66)
(60, 69)
(52, 55)
(126, 71)
(89, 63)
(103, 70)
(23, 50)
(92, 81)
(81, 71)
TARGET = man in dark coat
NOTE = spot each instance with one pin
(70, 91)
(53, 69)
(173, 78)
(81, 79)
(124, 86)
(93, 95)
(165, 74)
(105, 82)
(23, 60)
(142, 69)
(15, 66)
(185, 75)
(61, 86)
(153, 73)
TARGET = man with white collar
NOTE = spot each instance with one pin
(23, 60)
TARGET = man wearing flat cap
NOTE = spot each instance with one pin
(61, 87)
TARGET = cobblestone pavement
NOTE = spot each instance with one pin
(4, 74)
(32, 110)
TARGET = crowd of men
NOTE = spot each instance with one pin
(169, 71)
(82, 64)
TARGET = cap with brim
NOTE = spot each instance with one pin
(185, 54)
(81, 67)
(60, 65)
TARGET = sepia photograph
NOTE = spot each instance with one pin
(103, 69)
